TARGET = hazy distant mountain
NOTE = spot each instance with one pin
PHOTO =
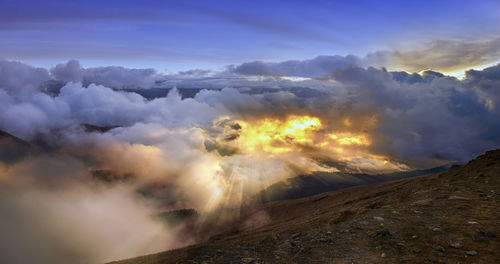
(100, 129)
(13, 148)
(153, 93)
(188, 92)
(319, 182)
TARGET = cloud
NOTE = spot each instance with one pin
(68, 72)
(441, 55)
(316, 67)
(112, 76)
(21, 79)
(27, 110)
(433, 118)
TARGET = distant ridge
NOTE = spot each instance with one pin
(13, 149)
(320, 182)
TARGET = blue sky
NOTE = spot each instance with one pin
(180, 35)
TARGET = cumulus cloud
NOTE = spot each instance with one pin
(68, 72)
(111, 76)
(21, 79)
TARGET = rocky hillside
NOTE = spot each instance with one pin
(448, 217)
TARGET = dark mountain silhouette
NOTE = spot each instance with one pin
(13, 149)
(320, 182)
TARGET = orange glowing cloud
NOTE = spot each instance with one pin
(276, 136)
(348, 138)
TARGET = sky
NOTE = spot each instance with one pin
(113, 113)
(180, 35)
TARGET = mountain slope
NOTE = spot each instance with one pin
(320, 182)
(13, 149)
(448, 217)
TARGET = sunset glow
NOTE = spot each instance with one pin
(275, 136)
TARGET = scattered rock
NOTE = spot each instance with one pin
(479, 238)
(383, 233)
(440, 248)
(416, 250)
(414, 237)
(422, 202)
(383, 255)
(295, 235)
(491, 233)
(400, 245)
(455, 197)
(437, 229)
(454, 244)
(378, 218)
(471, 252)
(248, 260)
(318, 212)
(472, 223)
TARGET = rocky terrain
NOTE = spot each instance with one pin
(447, 217)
